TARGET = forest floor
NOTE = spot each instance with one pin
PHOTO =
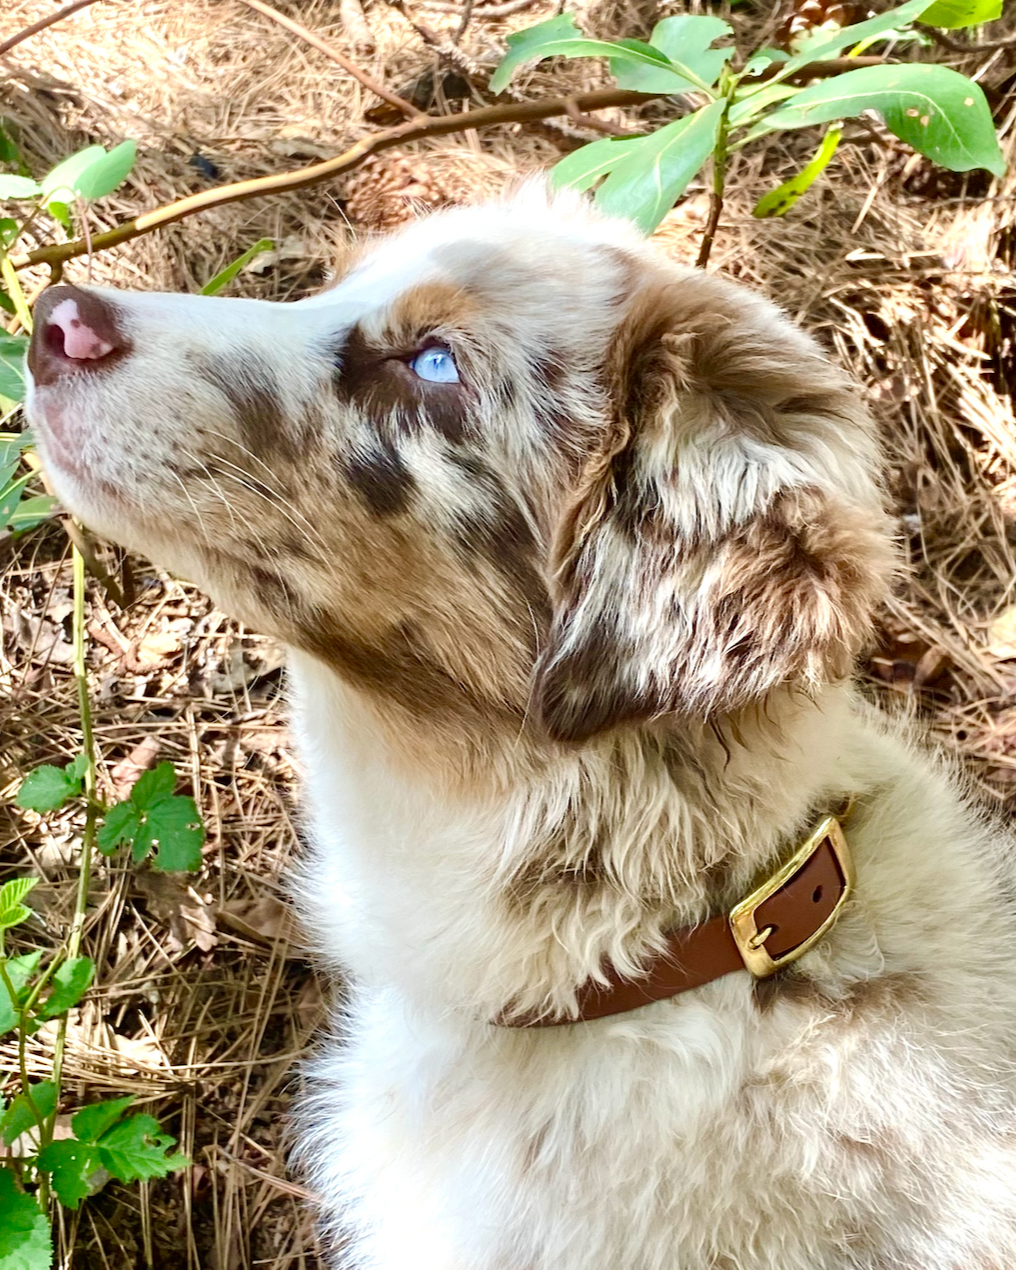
(204, 1000)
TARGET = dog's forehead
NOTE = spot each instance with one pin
(490, 255)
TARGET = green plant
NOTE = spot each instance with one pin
(738, 100)
(103, 1141)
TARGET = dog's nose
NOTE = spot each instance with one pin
(75, 330)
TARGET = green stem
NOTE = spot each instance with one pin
(720, 157)
(91, 814)
(10, 277)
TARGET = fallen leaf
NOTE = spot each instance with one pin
(186, 916)
(139, 760)
(265, 921)
(1002, 635)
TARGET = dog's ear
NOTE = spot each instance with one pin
(727, 534)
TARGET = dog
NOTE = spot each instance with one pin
(663, 950)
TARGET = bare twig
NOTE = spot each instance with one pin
(597, 125)
(354, 23)
(42, 23)
(480, 10)
(450, 53)
(411, 130)
(467, 13)
(957, 46)
(351, 68)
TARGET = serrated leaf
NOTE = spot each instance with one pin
(120, 825)
(135, 1150)
(19, 1116)
(936, 110)
(686, 40)
(560, 37)
(779, 201)
(12, 910)
(645, 185)
(153, 786)
(46, 788)
(71, 981)
(953, 14)
(12, 186)
(175, 827)
(225, 276)
(19, 971)
(105, 174)
(90, 1123)
(25, 1240)
(71, 1165)
(584, 167)
(13, 349)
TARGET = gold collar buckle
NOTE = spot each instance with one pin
(744, 924)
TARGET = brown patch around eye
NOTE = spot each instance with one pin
(380, 477)
(253, 393)
(380, 383)
(433, 306)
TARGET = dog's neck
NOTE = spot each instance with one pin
(545, 860)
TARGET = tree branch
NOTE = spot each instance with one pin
(411, 130)
(368, 81)
(42, 23)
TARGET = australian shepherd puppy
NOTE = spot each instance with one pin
(574, 550)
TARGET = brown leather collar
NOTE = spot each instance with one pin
(773, 926)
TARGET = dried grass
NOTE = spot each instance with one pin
(204, 1001)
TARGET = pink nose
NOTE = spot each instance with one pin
(75, 330)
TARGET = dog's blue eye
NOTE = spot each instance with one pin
(436, 365)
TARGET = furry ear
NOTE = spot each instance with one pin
(727, 536)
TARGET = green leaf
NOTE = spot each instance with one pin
(31, 512)
(176, 828)
(90, 173)
(860, 32)
(749, 104)
(71, 981)
(685, 39)
(135, 1150)
(8, 231)
(779, 201)
(72, 1165)
(13, 349)
(584, 167)
(121, 824)
(19, 1116)
(10, 498)
(12, 911)
(153, 786)
(644, 186)
(936, 110)
(47, 787)
(560, 37)
(19, 971)
(60, 212)
(25, 1240)
(104, 175)
(758, 61)
(92, 1122)
(225, 276)
(953, 14)
(18, 186)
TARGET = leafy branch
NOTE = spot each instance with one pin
(736, 101)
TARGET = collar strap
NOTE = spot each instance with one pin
(770, 928)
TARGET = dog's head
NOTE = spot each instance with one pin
(512, 464)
